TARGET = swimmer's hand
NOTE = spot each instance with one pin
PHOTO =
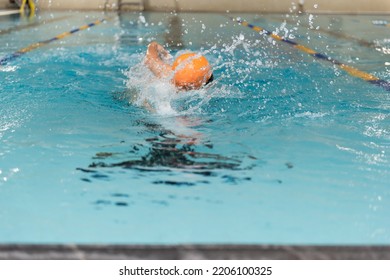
(163, 53)
(155, 60)
(158, 51)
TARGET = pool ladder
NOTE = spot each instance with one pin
(131, 5)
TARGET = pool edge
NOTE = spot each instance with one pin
(191, 252)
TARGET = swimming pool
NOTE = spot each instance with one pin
(280, 149)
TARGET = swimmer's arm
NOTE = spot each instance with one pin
(154, 61)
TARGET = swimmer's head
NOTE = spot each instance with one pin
(191, 71)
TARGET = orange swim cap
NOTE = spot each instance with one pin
(191, 71)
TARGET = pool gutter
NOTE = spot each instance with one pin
(191, 252)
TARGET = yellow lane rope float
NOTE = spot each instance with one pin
(349, 69)
(34, 46)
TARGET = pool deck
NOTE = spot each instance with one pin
(8, 12)
(192, 252)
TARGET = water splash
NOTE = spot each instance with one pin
(160, 96)
(8, 68)
(145, 90)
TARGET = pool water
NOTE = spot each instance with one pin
(279, 149)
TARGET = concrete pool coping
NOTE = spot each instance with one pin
(191, 252)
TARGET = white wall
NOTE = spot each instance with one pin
(75, 4)
(340, 6)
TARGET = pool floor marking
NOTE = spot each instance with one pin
(384, 23)
(349, 69)
(332, 33)
(26, 26)
(34, 46)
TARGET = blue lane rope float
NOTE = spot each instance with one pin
(34, 46)
(349, 69)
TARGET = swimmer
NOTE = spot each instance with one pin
(189, 71)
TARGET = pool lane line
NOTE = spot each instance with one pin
(349, 69)
(30, 25)
(34, 46)
(383, 23)
(335, 34)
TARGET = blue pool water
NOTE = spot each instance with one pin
(280, 149)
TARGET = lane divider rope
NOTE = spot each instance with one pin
(349, 69)
(6, 59)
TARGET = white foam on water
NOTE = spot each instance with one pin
(8, 68)
(146, 90)
(160, 96)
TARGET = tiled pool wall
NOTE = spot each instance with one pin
(263, 6)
